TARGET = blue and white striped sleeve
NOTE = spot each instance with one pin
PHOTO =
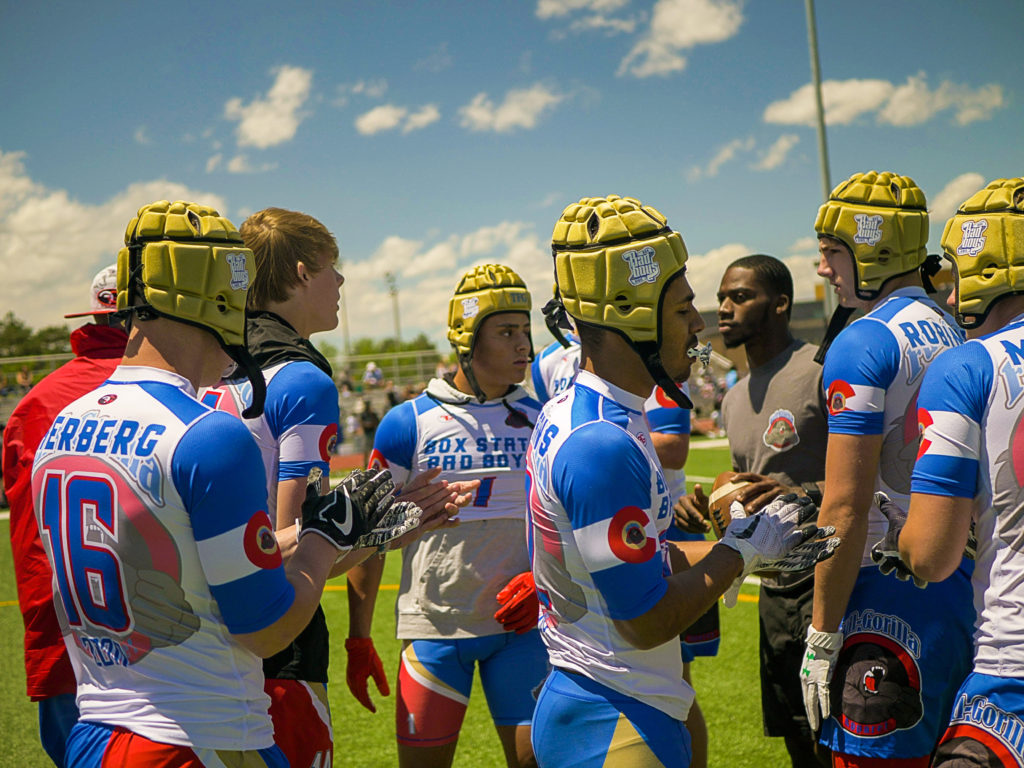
(951, 407)
(218, 472)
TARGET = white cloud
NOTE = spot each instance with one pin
(547, 9)
(387, 117)
(955, 192)
(69, 241)
(427, 114)
(776, 154)
(438, 60)
(721, 157)
(242, 164)
(704, 272)
(371, 89)
(520, 109)
(430, 269)
(274, 119)
(214, 162)
(676, 26)
(911, 103)
(611, 26)
(804, 244)
(844, 101)
(141, 136)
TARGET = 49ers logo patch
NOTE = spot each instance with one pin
(627, 536)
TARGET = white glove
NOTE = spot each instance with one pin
(731, 595)
(773, 539)
(816, 673)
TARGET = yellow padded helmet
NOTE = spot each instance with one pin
(614, 257)
(186, 262)
(883, 219)
(481, 292)
(985, 241)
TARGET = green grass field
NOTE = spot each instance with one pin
(727, 686)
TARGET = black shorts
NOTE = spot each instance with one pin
(784, 615)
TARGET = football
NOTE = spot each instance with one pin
(723, 493)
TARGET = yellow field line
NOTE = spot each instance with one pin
(384, 587)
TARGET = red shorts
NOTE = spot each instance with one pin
(302, 722)
(96, 745)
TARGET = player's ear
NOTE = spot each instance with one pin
(782, 302)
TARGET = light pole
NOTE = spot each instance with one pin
(344, 320)
(826, 182)
(389, 278)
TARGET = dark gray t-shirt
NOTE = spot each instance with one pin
(776, 420)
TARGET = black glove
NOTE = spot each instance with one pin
(886, 551)
(359, 512)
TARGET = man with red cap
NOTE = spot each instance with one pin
(98, 347)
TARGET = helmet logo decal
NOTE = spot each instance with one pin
(643, 267)
(471, 306)
(239, 273)
(869, 228)
(974, 237)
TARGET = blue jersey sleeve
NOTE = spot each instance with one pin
(861, 364)
(394, 442)
(540, 386)
(951, 407)
(218, 472)
(669, 419)
(603, 480)
(302, 413)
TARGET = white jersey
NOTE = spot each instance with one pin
(554, 369)
(872, 374)
(450, 577)
(152, 509)
(599, 517)
(972, 411)
(298, 428)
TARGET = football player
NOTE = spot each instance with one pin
(474, 426)
(970, 469)
(152, 509)
(882, 659)
(294, 294)
(611, 607)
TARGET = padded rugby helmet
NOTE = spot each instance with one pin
(483, 291)
(883, 219)
(186, 262)
(614, 257)
(985, 241)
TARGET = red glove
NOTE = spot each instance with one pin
(519, 606)
(363, 663)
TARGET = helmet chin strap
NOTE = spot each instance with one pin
(838, 321)
(557, 319)
(651, 357)
(465, 363)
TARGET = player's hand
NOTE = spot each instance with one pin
(761, 491)
(690, 512)
(519, 605)
(441, 502)
(776, 539)
(160, 610)
(816, 673)
(886, 551)
(364, 663)
(359, 512)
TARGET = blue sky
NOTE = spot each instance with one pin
(433, 136)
